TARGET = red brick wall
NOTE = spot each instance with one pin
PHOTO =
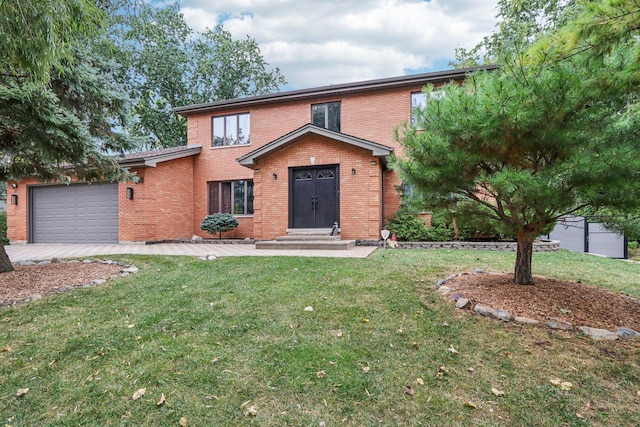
(162, 205)
(17, 215)
(360, 216)
(173, 198)
(371, 116)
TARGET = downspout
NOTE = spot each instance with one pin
(384, 174)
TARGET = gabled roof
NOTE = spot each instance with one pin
(334, 90)
(251, 158)
(153, 157)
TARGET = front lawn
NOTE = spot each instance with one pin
(229, 342)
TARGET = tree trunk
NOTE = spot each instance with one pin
(524, 257)
(5, 262)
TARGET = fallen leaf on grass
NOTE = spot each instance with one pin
(321, 374)
(563, 385)
(139, 393)
(638, 393)
(365, 369)
(5, 349)
(409, 391)
(415, 345)
(251, 412)
(497, 392)
(162, 400)
(470, 404)
(365, 320)
(22, 391)
(308, 308)
(453, 350)
(420, 381)
(183, 422)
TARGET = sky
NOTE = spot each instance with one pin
(317, 43)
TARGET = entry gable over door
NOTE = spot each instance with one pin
(250, 159)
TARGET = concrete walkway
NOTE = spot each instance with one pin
(39, 252)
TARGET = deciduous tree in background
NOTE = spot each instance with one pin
(165, 64)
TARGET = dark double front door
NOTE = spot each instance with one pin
(313, 197)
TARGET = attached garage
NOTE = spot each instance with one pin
(76, 213)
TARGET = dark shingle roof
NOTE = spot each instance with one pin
(152, 157)
(334, 90)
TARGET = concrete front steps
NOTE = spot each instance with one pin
(307, 238)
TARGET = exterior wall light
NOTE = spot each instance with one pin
(129, 193)
(353, 171)
(275, 176)
(14, 185)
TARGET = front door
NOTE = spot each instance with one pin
(313, 197)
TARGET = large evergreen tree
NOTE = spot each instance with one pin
(552, 131)
(58, 112)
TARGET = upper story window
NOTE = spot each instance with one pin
(231, 130)
(419, 102)
(326, 115)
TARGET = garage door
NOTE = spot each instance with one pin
(77, 213)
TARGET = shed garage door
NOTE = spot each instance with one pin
(77, 213)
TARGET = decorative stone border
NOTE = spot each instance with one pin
(538, 245)
(126, 270)
(204, 241)
(504, 316)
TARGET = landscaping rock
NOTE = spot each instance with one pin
(559, 324)
(504, 315)
(491, 312)
(525, 320)
(34, 297)
(456, 296)
(26, 263)
(130, 269)
(54, 260)
(462, 303)
(98, 281)
(627, 333)
(444, 290)
(478, 271)
(598, 334)
(44, 263)
(196, 238)
(211, 257)
(440, 283)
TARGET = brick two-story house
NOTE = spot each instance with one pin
(299, 159)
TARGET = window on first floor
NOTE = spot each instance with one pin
(234, 197)
(231, 130)
(326, 115)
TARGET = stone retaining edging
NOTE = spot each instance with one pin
(538, 245)
(462, 303)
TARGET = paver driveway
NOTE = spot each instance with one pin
(35, 252)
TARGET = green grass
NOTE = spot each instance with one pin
(219, 337)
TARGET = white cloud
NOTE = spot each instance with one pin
(338, 41)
